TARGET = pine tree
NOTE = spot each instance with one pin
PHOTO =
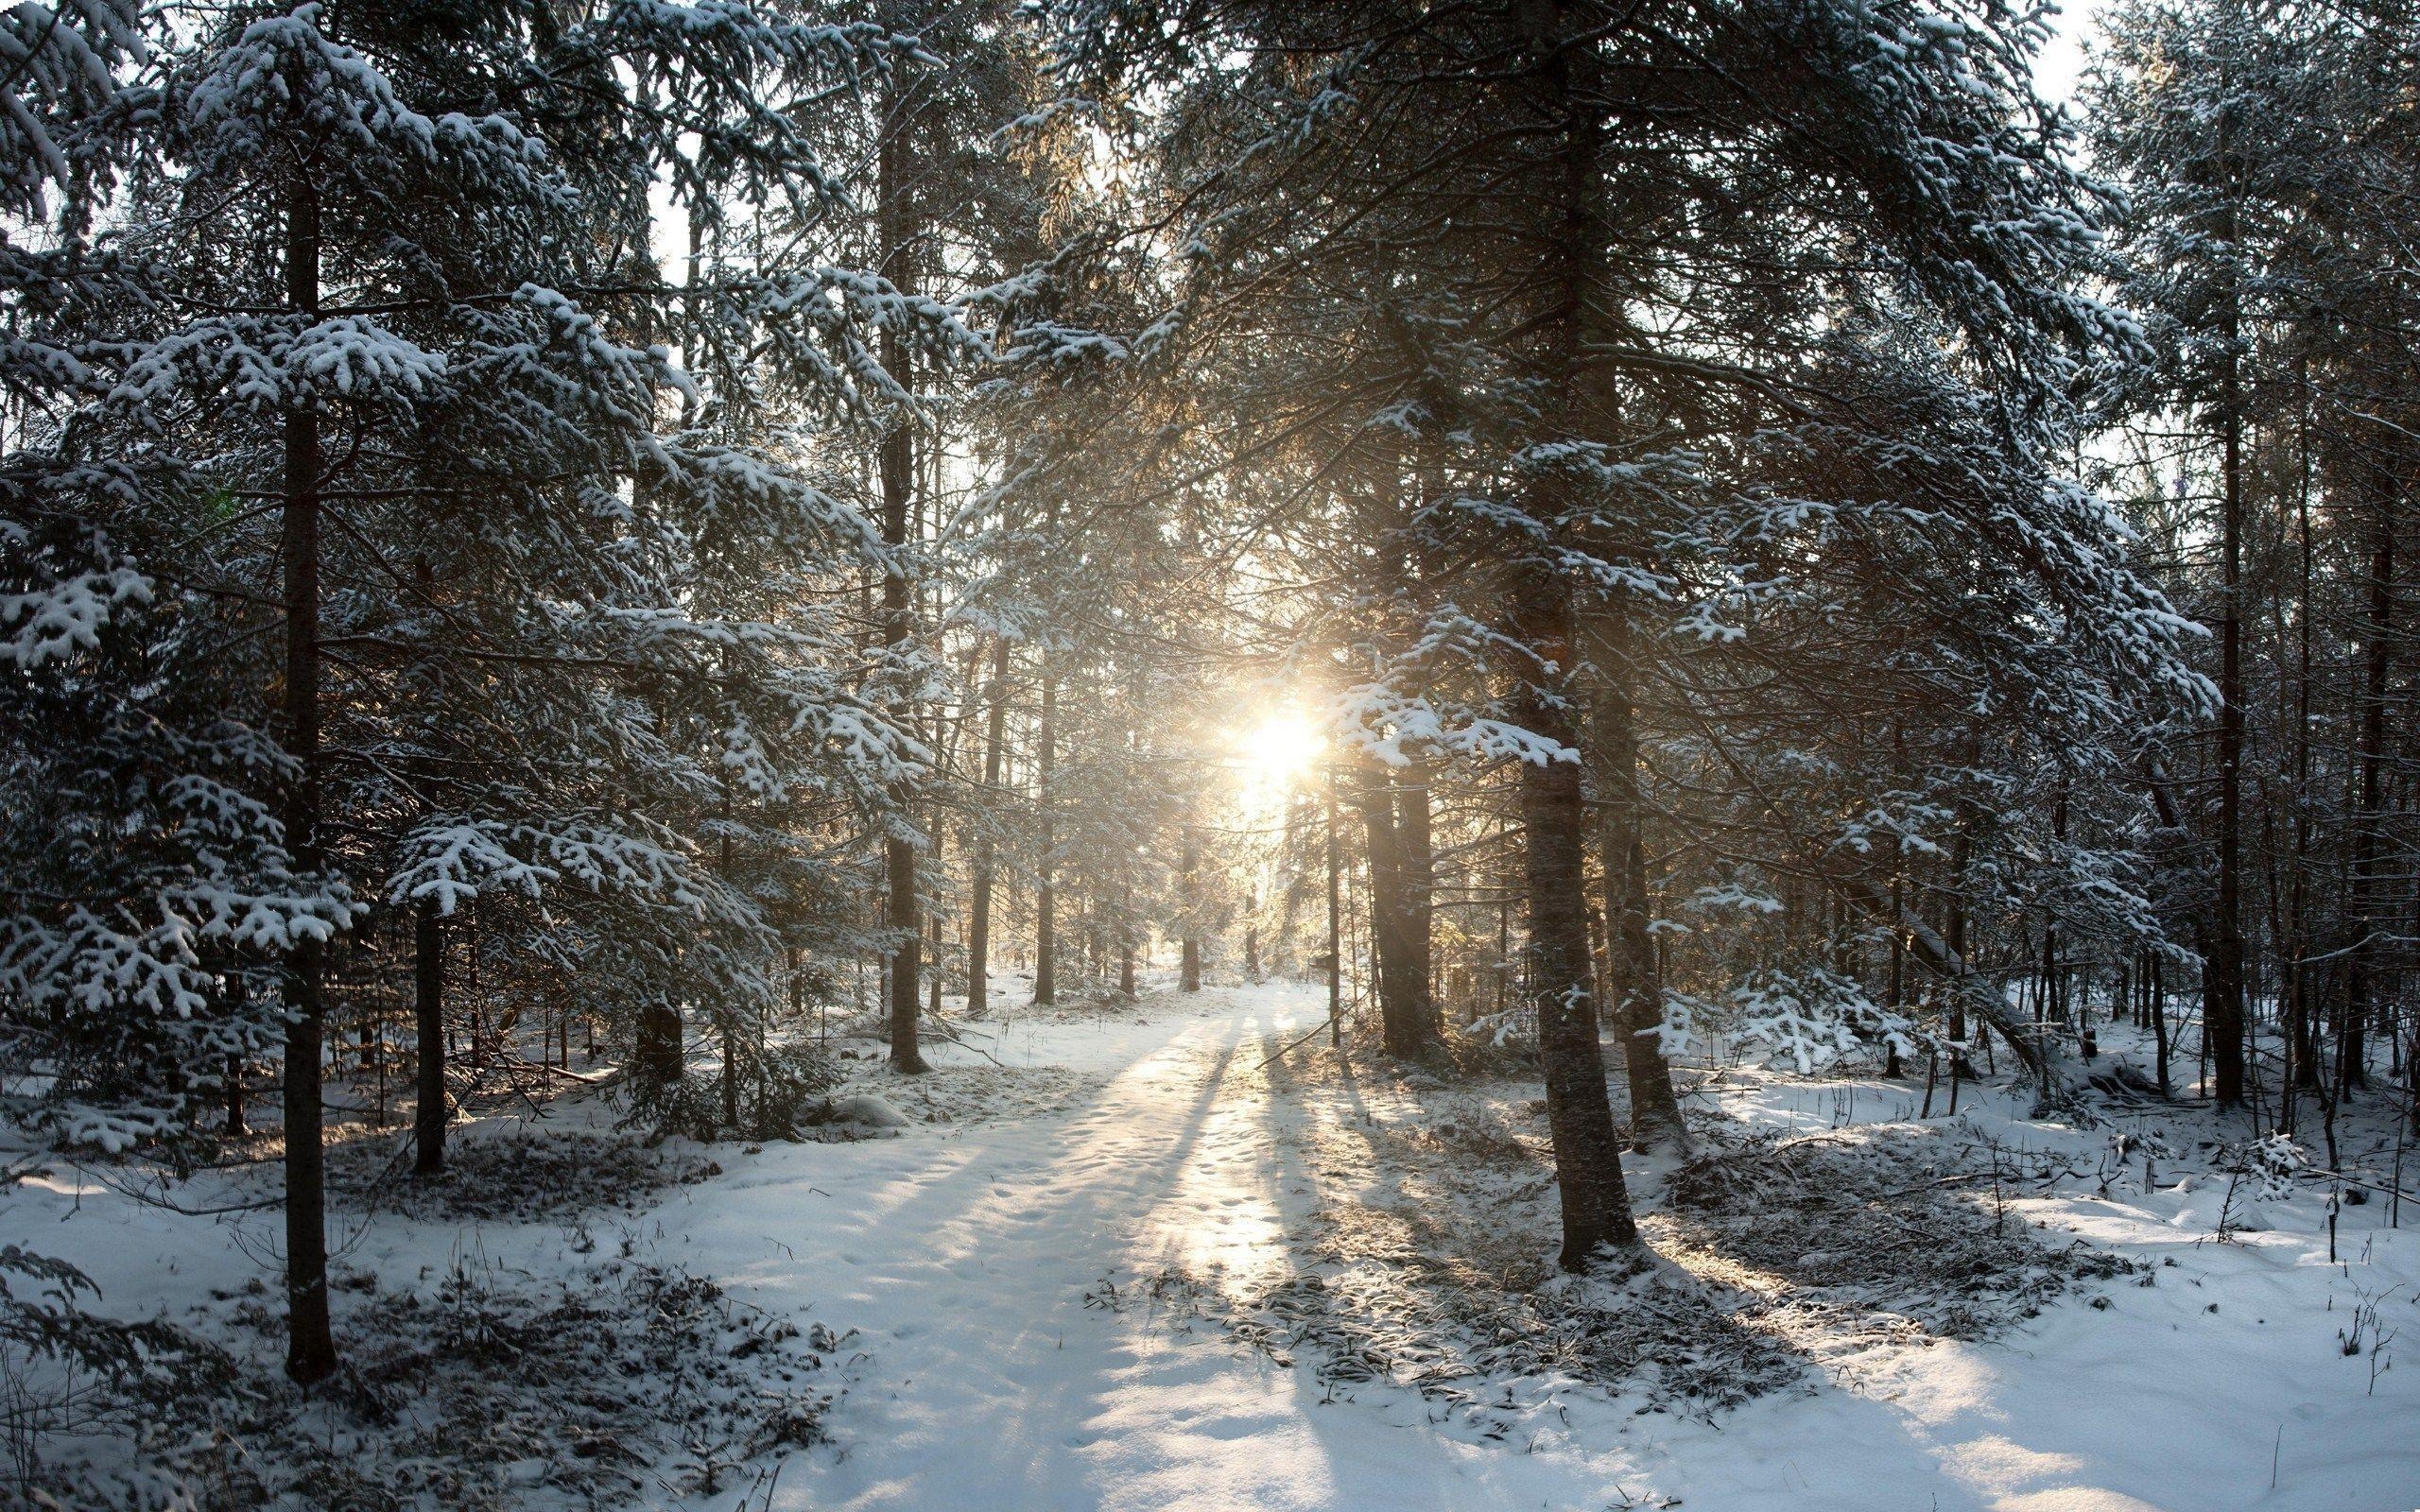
(1858, 158)
(387, 398)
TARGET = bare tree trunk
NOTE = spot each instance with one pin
(1335, 929)
(235, 1121)
(1636, 988)
(727, 1013)
(2302, 1059)
(2369, 887)
(1398, 1017)
(1045, 951)
(2223, 996)
(978, 912)
(1416, 873)
(1251, 939)
(898, 614)
(658, 1057)
(429, 1024)
(1190, 967)
(310, 1349)
(1580, 1114)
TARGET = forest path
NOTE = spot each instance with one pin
(972, 1262)
(996, 1374)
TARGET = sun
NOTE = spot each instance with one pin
(1280, 749)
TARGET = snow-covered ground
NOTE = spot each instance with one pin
(1004, 1360)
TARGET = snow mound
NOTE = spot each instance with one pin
(864, 1109)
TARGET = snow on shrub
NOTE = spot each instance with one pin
(1811, 1018)
(611, 1385)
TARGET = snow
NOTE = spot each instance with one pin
(972, 1252)
(65, 616)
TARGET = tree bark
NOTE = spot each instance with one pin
(310, 1352)
(894, 218)
(1046, 942)
(1189, 966)
(658, 1057)
(428, 1024)
(1335, 929)
(1398, 1015)
(236, 994)
(1636, 988)
(1579, 1114)
(2223, 996)
(1416, 872)
(2370, 888)
(1589, 1171)
(978, 911)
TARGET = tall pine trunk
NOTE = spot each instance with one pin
(1406, 1018)
(1635, 987)
(2222, 995)
(310, 1348)
(1416, 874)
(894, 218)
(429, 1024)
(979, 910)
(1376, 804)
(2371, 891)
(1189, 964)
(1046, 939)
(1579, 1115)
(659, 1055)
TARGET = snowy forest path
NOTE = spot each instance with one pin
(993, 1375)
(1007, 1357)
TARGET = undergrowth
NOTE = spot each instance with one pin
(510, 1177)
(1421, 1267)
(486, 1391)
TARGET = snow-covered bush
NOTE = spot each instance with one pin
(770, 1092)
(1809, 1019)
(70, 1377)
(486, 1391)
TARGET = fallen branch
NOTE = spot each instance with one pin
(601, 1078)
(1316, 1030)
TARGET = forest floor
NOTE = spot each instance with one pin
(1116, 1262)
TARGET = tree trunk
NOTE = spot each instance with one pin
(898, 487)
(238, 993)
(1636, 986)
(2159, 1023)
(1045, 943)
(2223, 998)
(1252, 934)
(1398, 1014)
(1580, 1114)
(310, 1352)
(2369, 834)
(428, 1024)
(978, 911)
(1416, 872)
(658, 1057)
(1189, 966)
(1334, 930)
